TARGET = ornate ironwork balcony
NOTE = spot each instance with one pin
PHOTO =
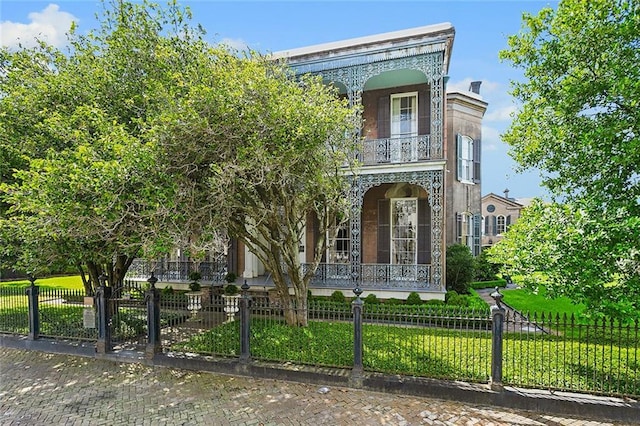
(408, 149)
(165, 271)
(374, 276)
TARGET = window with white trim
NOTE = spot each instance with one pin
(404, 114)
(339, 245)
(501, 226)
(465, 153)
(404, 231)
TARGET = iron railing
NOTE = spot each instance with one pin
(406, 149)
(211, 272)
(567, 353)
(14, 311)
(429, 340)
(373, 276)
(63, 314)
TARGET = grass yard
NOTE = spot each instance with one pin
(533, 360)
(524, 300)
(72, 282)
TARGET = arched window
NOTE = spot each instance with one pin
(501, 225)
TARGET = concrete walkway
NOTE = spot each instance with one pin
(39, 388)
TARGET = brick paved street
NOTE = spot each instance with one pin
(49, 389)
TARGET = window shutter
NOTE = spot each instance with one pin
(384, 237)
(459, 227)
(424, 116)
(487, 227)
(424, 232)
(494, 224)
(476, 161)
(508, 222)
(477, 224)
(384, 117)
(458, 156)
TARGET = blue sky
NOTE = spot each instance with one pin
(481, 28)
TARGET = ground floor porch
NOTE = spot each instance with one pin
(384, 280)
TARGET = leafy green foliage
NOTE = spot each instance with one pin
(477, 285)
(414, 299)
(338, 297)
(371, 299)
(484, 269)
(580, 124)
(460, 268)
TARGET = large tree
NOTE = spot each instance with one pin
(86, 186)
(266, 152)
(143, 135)
(579, 123)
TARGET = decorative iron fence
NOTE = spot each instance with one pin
(566, 353)
(63, 314)
(557, 353)
(14, 311)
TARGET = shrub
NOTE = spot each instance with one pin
(167, 290)
(460, 268)
(371, 299)
(414, 299)
(393, 301)
(452, 298)
(484, 269)
(338, 297)
(230, 277)
(231, 290)
(476, 285)
(194, 277)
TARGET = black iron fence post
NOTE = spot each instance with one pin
(103, 296)
(245, 322)
(154, 344)
(358, 367)
(497, 328)
(34, 316)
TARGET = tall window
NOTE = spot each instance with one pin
(465, 159)
(404, 114)
(339, 246)
(404, 231)
(501, 226)
(468, 231)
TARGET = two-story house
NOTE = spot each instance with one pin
(418, 189)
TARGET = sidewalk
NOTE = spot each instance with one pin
(39, 388)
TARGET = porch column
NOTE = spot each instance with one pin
(251, 264)
(355, 200)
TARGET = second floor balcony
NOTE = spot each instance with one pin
(396, 150)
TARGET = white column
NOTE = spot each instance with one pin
(252, 265)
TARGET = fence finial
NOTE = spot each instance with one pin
(497, 296)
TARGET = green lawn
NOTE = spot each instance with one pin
(525, 300)
(73, 282)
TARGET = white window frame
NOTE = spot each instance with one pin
(396, 120)
(392, 228)
(342, 239)
(501, 224)
(465, 158)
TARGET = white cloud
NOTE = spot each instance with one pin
(491, 140)
(50, 25)
(237, 44)
(501, 113)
